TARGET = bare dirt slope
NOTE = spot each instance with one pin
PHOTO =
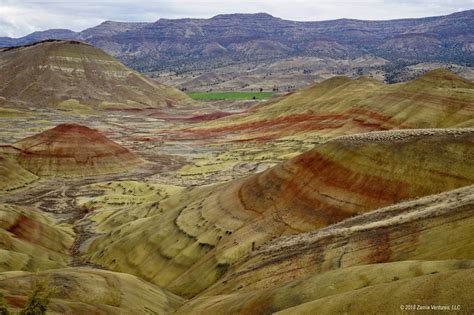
(74, 75)
(187, 241)
(340, 105)
(70, 150)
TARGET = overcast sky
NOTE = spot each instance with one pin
(21, 17)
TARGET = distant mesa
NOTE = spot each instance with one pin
(70, 150)
(74, 75)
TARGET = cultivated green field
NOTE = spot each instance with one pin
(229, 95)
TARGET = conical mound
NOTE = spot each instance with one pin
(444, 78)
(77, 75)
(73, 150)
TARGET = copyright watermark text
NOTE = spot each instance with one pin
(431, 307)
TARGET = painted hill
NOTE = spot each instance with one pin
(340, 105)
(12, 175)
(188, 241)
(90, 291)
(69, 75)
(73, 150)
(31, 240)
(408, 250)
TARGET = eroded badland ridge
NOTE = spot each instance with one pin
(348, 196)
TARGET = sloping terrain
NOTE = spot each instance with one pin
(304, 236)
(13, 176)
(31, 240)
(67, 74)
(339, 105)
(90, 291)
(376, 288)
(70, 150)
(271, 132)
(188, 241)
(424, 290)
(348, 196)
(63, 34)
(437, 227)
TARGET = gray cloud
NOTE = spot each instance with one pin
(20, 17)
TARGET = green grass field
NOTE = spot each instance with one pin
(229, 95)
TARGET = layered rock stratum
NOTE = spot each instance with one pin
(72, 75)
(90, 291)
(188, 241)
(340, 105)
(32, 240)
(70, 150)
(419, 251)
(377, 213)
(13, 176)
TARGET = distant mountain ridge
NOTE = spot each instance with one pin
(183, 45)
